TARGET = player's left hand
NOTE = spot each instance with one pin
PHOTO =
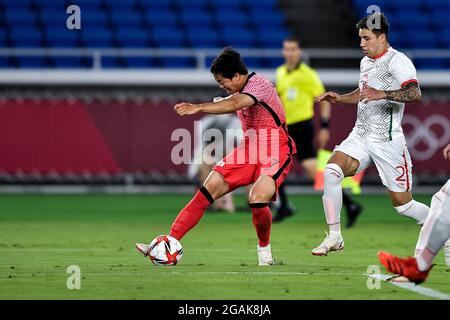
(322, 137)
(184, 108)
(369, 94)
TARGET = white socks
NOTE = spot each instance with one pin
(436, 230)
(425, 259)
(332, 196)
(415, 210)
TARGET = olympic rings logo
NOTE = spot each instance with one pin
(423, 132)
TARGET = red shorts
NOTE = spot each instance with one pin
(242, 167)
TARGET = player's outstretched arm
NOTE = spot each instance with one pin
(230, 105)
(408, 93)
(333, 97)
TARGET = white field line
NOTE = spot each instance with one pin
(413, 287)
(244, 272)
(287, 273)
(104, 249)
(405, 285)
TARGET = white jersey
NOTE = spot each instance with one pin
(380, 120)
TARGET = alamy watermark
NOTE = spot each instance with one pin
(74, 280)
(374, 20)
(373, 282)
(262, 145)
(74, 20)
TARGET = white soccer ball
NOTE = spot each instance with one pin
(165, 250)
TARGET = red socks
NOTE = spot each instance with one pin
(191, 213)
(194, 210)
(262, 220)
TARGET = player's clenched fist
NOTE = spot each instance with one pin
(329, 96)
(185, 108)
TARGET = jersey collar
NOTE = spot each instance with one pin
(378, 56)
(297, 66)
(246, 81)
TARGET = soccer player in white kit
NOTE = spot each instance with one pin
(387, 81)
(434, 234)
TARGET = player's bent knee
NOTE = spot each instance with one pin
(347, 164)
(216, 185)
(259, 197)
(400, 198)
(262, 190)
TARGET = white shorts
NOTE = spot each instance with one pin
(391, 158)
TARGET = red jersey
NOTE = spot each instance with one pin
(267, 113)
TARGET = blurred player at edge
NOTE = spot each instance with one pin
(434, 234)
(387, 81)
(298, 85)
(256, 102)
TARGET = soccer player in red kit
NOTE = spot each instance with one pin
(263, 158)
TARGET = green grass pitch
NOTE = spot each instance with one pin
(41, 235)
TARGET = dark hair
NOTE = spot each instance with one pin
(228, 63)
(383, 26)
(293, 39)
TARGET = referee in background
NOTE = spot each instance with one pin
(297, 86)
